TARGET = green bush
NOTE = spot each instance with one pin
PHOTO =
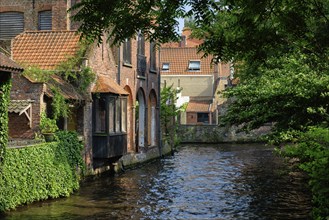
(312, 148)
(5, 86)
(47, 170)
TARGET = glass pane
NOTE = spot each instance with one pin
(111, 115)
(194, 65)
(152, 56)
(100, 115)
(165, 66)
(127, 51)
(124, 115)
(117, 115)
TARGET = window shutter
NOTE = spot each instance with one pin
(45, 20)
(12, 24)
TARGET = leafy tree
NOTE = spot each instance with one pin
(169, 112)
(124, 18)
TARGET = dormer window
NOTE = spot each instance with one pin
(194, 65)
(165, 66)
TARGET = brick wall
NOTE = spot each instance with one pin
(191, 118)
(60, 18)
(103, 60)
(23, 89)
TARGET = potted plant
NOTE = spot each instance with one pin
(48, 127)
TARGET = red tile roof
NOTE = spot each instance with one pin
(107, 85)
(198, 106)
(178, 59)
(8, 65)
(45, 49)
(66, 89)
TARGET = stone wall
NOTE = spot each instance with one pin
(216, 134)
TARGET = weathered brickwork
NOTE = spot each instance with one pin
(31, 9)
(23, 89)
(103, 60)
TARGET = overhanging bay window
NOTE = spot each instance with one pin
(109, 125)
(113, 108)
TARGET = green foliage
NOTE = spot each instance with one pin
(292, 91)
(47, 125)
(169, 113)
(34, 173)
(312, 148)
(124, 18)
(36, 74)
(5, 85)
(74, 72)
(59, 105)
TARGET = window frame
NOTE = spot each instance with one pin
(191, 68)
(141, 44)
(116, 113)
(40, 13)
(126, 54)
(153, 64)
(167, 64)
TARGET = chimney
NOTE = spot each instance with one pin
(183, 41)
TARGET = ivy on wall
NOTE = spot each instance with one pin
(5, 86)
(72, 71)
(47, 170)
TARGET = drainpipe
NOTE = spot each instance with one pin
(159, 105)
(119, 66)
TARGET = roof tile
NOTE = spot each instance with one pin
(45, 49)
(8, 64)
(178, 59)
(198, 106)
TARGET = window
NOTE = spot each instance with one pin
(100, 113)
(111, 114)
(165, 66)
(127, 51)
(203, 117)
(124, 115)
(117, 115)
(44, 20)
(194, 65)
(11, 24)
(153, 66)
(141, 44)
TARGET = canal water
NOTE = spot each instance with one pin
(198, 182)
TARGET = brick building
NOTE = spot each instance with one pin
(41, 34)
(198, 79)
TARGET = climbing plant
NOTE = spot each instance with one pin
(5, 85)
(59, 105)
(72, 71)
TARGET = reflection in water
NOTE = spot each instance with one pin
(198, 182)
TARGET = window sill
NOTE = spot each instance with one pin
(128, 65)
(194, 70)
(155, 72)
(141, 77)
(110, 134)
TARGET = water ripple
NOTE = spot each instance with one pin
(198, 182)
